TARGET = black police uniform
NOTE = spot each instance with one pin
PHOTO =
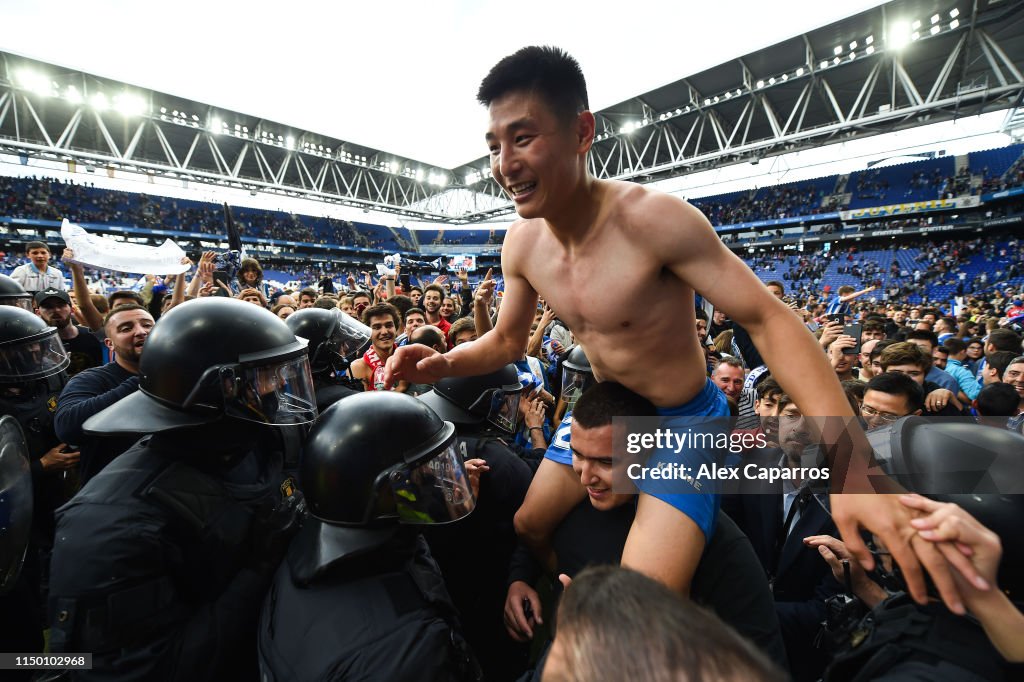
(474, 554)
(153, 569)
(384, 616)
(358, 595)
(163, 558)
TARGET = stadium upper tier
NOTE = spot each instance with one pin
(814, 200)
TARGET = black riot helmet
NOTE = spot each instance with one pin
(334, 337)
(371, 463)
(212, 358)
(980, 468)
(480, 400)
(577, 376)
(29, 348)
(12, 293)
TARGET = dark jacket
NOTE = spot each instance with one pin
(152, 568)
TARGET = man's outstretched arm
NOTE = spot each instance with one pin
(685, 239)
(490, 352)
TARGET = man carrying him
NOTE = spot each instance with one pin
(382, 319)
(577, 233)
(38, 275)
(83, 349)
(127, 326)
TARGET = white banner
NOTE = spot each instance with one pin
(111, 254)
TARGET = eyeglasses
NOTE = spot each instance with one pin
(869, 411)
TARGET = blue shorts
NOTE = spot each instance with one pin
(701, 507)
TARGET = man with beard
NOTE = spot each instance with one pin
(126, 327)
(382, 319)
(84, 349)
(433, 297)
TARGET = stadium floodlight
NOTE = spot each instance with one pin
(760, 84)
(853, 55)
(870, 49)
(915, 35)
(216, 126)
(73, 95)
(853, 45)
(823, 64)
(954, 24)
(771, 81)
(935, 29)
(869, 40)
(838, 50)
(129, 104)
(99, 101)
(799, 71)
(785, 77)
(835, 62)
(954, 13)
(916, 25)
(935, 18)
(899, 35)
(419, 174)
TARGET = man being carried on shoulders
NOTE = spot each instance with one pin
(576, 233)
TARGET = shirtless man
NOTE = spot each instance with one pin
(576, 234)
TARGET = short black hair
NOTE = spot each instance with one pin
(998, 400)
(954, 345)
(924, 335)
(776, 283)
(310, 292)
(415, 311)
(547, 71)
(1004, 339)
(898, 384)
(999, 360)
(601, 402)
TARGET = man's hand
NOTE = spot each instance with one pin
(58, 458)
(890, 521)
(833, 551)
(463, 275)
(939, 398)
(835, 351)
(484, 294)
(972, 548)
(830, 331)
(533, 411)
(440, 280)
(518, 622)
(474, 469)
(415, 363)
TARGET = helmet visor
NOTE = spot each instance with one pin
(15, 501)
(23, 302)
(280, 393)
(349, 336)
(32, 359)
(574, 383)
(502, 407)
(435, 491)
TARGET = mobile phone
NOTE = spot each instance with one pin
(221, 276)
(403, 278)
(854, 330)
(836, 317)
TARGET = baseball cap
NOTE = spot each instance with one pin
(52, 293)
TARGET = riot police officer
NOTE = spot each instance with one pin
(20, 630)
(474, 555)
(163, 558)
(33, 366)
(358, 595)
(12, 293)
(335, 339)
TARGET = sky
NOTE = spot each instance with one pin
(395, 75)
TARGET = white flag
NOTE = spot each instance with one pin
(111, 254)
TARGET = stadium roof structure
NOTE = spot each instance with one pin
(895, 66)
